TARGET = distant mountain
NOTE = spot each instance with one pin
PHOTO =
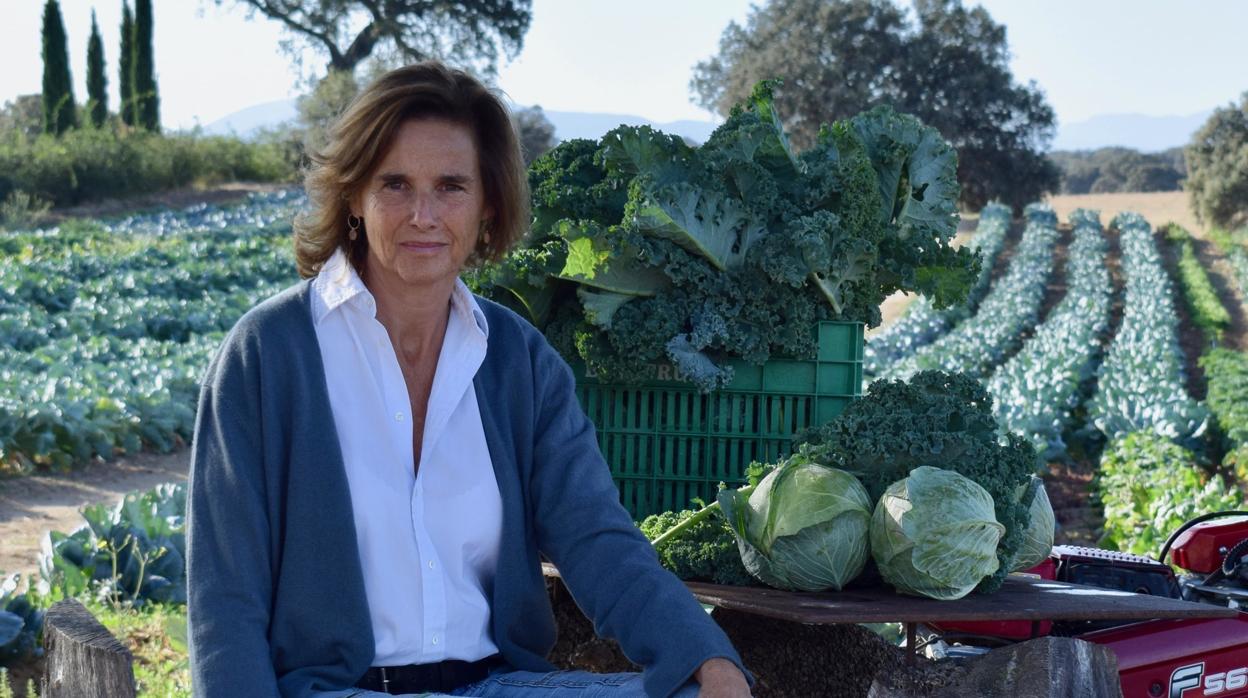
(571, 124)
(568, 124)
(249, 121)
(1144, 133)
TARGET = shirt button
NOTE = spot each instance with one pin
(398, 416)
(435, 639)
(431, 564)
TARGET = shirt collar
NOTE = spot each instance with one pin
(339, 283)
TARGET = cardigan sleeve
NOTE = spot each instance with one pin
(610, 568)
(229, 571)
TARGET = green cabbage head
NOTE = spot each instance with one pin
(934, 534)
(1038, 539)
(803, 528)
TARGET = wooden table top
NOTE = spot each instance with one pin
(1020, 598)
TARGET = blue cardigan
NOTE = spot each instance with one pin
(276, 596)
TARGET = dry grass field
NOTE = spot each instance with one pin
(1158, 207)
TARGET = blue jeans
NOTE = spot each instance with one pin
(556, 684)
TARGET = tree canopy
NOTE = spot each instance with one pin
(944, 63)
(97, 84)
(1217, 164)
(1116, 169)
(59, 113)
(466, 32)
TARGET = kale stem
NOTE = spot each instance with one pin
(699, 516)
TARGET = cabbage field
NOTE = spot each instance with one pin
(106, 327)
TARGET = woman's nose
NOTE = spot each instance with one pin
(424, 211)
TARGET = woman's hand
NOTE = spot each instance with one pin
(720, 678)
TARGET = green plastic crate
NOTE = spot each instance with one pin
(667, 442)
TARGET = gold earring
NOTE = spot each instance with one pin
(353, 226)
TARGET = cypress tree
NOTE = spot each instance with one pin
(97, 84)
(147, 101)
(58, 88)
(125, 65)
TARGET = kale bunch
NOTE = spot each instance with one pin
(939, 419)
(736, 248)
(706, 551)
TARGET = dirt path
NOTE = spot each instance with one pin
(34, 504)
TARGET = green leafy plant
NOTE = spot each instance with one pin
(1227, 374)
(922, 323)
(646, 249)
(1150, 486)
(936, 419)
(21, 623)
(703, 550)
(804, 527)
(133, 553)
(1041, 526)
(1203, 303)
(934, 534)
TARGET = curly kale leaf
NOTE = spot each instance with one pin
(570, 182)
(705, 552)
(700, 219)
(918, 191)
(939, 419)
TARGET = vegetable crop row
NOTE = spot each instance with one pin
(1150, 486)
(1140, 384)
(980, 343)
(1036, 391)
(922, 324)
(1203, 303)
(105, 328)
(1227, 373)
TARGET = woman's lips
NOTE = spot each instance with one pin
(422, 246)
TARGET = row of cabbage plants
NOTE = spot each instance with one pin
(107, 326)
(1141, 383)
(1037, 390)
(922, 323)
(980, 343)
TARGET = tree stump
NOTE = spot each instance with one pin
(83, 659)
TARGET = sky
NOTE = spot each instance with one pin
(1091, 57)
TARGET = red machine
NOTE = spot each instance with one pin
(1159, 658)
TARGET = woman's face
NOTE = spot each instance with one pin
(423, 206)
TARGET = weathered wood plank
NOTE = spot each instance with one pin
(1020, 598)
(84, 659)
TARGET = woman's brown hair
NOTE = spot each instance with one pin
(358, 142)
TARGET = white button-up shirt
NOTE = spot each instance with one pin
(429, 541)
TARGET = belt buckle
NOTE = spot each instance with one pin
(385, 681)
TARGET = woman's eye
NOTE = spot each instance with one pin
(393, 185)
(452, 187)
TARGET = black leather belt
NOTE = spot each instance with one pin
(440, 677)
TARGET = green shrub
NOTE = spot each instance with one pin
(1217, 180)
(1150, 486)
(91, 164)
(22, 211)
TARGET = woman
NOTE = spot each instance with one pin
(380, 457)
